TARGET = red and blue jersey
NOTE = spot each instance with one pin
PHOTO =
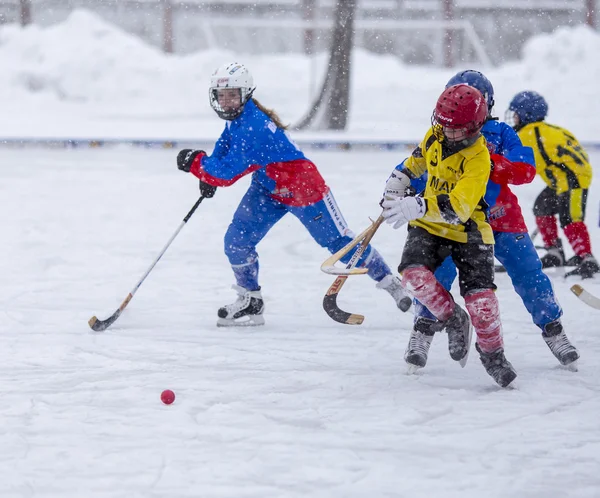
(514, 164)
(252, 143)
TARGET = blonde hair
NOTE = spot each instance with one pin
(271, 113)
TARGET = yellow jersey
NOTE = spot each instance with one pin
(559, 158)
(455, 188)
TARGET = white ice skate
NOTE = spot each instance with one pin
(558, 342)
(246, 311)
(393, 286)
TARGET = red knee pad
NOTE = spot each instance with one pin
(423, 285)
(484, 310)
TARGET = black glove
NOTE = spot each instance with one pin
(186, 157)
(207, 190)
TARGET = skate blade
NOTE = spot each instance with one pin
(572, 367)
(245, 321)
(412, 369)
(468, 340)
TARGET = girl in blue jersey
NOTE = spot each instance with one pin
(283, 181)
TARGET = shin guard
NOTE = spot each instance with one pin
(423, 285)
(579, 238)
(548, 229)
(484, 310)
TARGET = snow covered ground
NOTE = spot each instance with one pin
(301, 407)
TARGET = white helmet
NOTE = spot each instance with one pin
(235, 76)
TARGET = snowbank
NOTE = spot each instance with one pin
(86, 75)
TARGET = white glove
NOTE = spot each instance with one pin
(401, 211)
(395, 187)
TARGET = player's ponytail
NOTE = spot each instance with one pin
(271, 113)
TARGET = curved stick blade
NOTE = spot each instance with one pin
(333, 310)
(585, 296)
(101, 325)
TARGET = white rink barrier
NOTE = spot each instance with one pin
(330, 144)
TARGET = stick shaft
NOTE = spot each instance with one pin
(99, 325)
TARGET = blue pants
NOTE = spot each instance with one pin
(257, 214)
(517, 254)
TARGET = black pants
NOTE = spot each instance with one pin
(569, 206)
(474, 260)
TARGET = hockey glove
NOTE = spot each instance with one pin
(401, 211)
(207, 190)
(396, 186)
(186, 158)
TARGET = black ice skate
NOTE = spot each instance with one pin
(421, 336)
(393, 286)
(573, 260)
(460, 332)
(586, 269)
(246, 311)
(554, 257)
(558, 342)
(497, 366)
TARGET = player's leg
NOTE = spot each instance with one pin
(545, 209)
(256, 214)
(425, 324)
(517, 254)
(572, 206)
(475, 263)
(423, 254)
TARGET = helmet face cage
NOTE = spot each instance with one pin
(450, 134)
(228, 112)
(511, 118)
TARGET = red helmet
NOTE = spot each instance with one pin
(459, 114)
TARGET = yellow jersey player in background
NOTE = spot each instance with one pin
(564, 165)
(450, 220)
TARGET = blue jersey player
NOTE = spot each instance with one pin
(283, 181)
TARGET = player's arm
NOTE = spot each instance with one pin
(414, 166)
(416, 184)
(517, 165)
(510, 172)
(225, 170)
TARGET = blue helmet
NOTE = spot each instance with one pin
(476, 80)
(529, 106)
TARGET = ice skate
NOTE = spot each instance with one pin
(246, 311)
(558, 342)
(554, 257)
(586, 269)
(393, 286)
(460, 332)
(497, 366)
(574, 260)
(420, 340)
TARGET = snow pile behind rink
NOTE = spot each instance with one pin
(85, 69)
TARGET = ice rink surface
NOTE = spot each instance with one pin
(301, 407)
